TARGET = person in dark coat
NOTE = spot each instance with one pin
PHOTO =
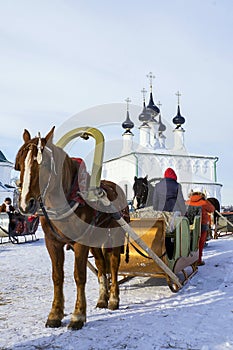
(168, 194)
(7, 207)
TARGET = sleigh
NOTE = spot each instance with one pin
(177, 248)
(16, 228)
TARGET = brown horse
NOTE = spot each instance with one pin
(49, 178)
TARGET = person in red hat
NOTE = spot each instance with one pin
(168, 195)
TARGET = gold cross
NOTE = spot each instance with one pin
(143, 91)
(151, 77)
(178, 94)
(127, 100)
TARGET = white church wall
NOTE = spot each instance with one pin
(5, 173)
(192, 171)
(122, 172)
(5, 178)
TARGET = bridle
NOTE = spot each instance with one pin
(140, 195)
(57, 213)
(52, 164)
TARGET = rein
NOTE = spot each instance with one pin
(48, 219)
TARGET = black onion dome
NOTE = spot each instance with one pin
(162, 127)
(145, 116)
(127, 124)
(178, 119)
(151, 105)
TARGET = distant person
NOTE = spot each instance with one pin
(7, 207)
(198, 198)
(168, 194)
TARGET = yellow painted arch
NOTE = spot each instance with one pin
(86, 132)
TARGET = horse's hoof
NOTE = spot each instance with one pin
(102, 304)
(113, 305)
(75, 325)
(53, 323)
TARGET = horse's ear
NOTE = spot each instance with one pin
(26, 135)
(146, 177)
(135, 178)
(49, 136)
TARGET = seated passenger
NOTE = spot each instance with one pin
(168, 194)
(168, 197)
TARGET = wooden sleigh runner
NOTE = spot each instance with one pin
(17, 228)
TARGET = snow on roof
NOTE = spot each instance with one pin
(3, 158)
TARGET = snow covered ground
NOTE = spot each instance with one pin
(200, 316)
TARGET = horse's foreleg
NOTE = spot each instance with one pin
(56, 253)
(78, 317)
(114, 299)
(102, 279)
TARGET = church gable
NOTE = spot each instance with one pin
(3, 158)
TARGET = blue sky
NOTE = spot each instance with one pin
(61, 57)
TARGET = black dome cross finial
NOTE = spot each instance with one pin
(127, 124)
(145, 115)
(127, 100)
(151, 105)
(151, 77)
(159, 104)
(143, 91)
(178, 94)
(162, 127)
(178, 120)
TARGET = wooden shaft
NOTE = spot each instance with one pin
(224, 218)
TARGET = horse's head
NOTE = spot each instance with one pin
(33, 156)
(140, 188)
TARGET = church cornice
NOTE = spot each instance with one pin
(215, 158)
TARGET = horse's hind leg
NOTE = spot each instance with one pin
(78, 317)
(56, 253)
(114, 299)
(102, 279)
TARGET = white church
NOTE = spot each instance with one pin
(6, 167)
(149, 156)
